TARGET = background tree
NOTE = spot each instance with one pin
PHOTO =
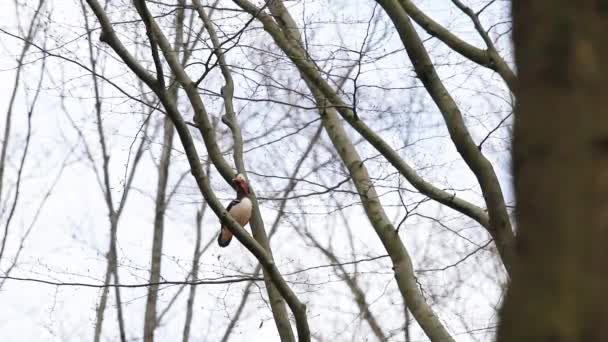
(375, 135)
(560, 164)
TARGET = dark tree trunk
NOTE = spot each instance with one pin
(559, 288)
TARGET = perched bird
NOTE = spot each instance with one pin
(239, 209)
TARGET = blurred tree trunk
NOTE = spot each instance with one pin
(558, 290)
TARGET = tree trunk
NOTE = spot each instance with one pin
(558, 290)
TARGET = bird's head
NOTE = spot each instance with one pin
(240, 183)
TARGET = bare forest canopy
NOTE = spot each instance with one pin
(375, 136)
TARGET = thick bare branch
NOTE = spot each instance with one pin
(159, 227)
(489, 58)
(285, 32)
(161, 201)
(277, 303)
(309, 69)
(500, 225)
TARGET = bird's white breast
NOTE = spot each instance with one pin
(241, 212)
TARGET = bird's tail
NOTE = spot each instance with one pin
(225, 236)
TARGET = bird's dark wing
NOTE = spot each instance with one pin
(232, 204)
